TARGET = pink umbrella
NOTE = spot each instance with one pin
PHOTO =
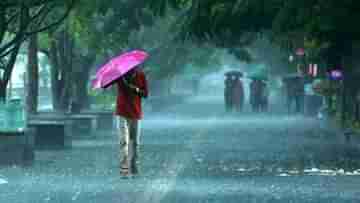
(118, 67)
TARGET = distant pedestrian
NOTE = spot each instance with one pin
(295, 93)
(131, 89)
(228, 93)
(299, 95)
(263, 96)
(255, 95)
(237, 95)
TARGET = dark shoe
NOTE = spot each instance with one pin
(124, 169)
(124, 172)
(125, 175)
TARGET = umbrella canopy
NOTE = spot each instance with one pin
(234, 73)
(118, 67)
(258, 76)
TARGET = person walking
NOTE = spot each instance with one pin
(299, 94)
(295, 93)
(131, 88)
(238, 94)
(264, 96)
(228, 93)
(255, 95)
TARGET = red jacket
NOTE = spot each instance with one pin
(128, 103)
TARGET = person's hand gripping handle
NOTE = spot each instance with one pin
(134, 88)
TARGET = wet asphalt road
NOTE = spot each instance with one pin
(196, 153)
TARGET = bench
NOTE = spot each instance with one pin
(16, 147)
(51, 134)
(104, 119)
(83, 125)
(48, 116)
(78, 125)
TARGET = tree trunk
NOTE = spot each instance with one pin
(32, 73)
(54, 72)
(80, 94)
(8, 62)
(8, 66)
(80, 79)
(357, 112)
(66, 58)
(60, 72)
(85, 80)
(343, 105)
(70, 72)
(338, 56)
(2, 91)
(10, 89)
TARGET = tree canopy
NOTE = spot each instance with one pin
(229, 22)
(21, 19)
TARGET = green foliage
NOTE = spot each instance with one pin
(104, 27)
(108, 28)
(181, 58)
(21, 19)
(44, 41)
(242, 54)
(226, 21)
(169, 56)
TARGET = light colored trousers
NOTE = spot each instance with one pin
(129, 136)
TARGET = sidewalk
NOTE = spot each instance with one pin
(200, 156)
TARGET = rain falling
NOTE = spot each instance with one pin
(171, 101)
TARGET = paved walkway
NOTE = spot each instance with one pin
(195, 153)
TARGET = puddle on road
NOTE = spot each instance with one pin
(306, 172)
(3, 181)
(328, 172)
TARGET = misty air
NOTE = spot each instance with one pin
(211, 101)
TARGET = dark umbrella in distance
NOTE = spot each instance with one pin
(234, 73)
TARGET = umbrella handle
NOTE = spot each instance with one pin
(131, 86)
